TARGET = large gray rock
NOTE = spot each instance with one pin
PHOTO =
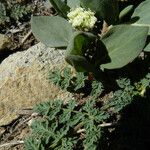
(24, 83)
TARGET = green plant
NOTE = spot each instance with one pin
(18, 11)
(12, 11)
(66, 126)
(97, 88)
(88, 47)
(65, 80)
(79, 126)
(143, 85)
(122, 97)
(3, 16)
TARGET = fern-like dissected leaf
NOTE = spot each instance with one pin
(80, 81)
(42, 128)
(101, 116)
(143, 85)
(59, 135)
(120, 100)
(94, 113)
(76, 119)
(97, 88)
(93, 131)
(92, 136)
(89, 105)
(50, 108)
(123, 83)
(146, 81)
(67, 112)
(18, 11)
(61, 79)
(66, 78)
(56, 77)
(68, 143)
(122, 97)
(58, 126)
(31, 143)
(3, 15)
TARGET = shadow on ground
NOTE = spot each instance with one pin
(133, 132)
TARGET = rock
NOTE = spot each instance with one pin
(24, 83)
(4, 42)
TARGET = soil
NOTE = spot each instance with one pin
(20, 30)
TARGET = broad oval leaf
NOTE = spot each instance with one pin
(106, 9)
(61, 7)
(143, 12)
(73, 3)
(124, 43)
(80, 63)
(76, 50)
(85, 52)
(52, 31)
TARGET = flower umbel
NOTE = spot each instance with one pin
(82, 19)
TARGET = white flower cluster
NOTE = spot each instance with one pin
(82, 19)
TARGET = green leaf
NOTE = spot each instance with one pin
(55, 77)
(125, 11)
(65, 83)
(147, 48)
(80, 81)
(33, 144)
(17, 11)
(52, 31)
(124, 43)
(50, 108)
(60, 7)
(3, 15)
(120, 100)
(143, 12)
(76, 51)
(73, 3)
(76, 119)
(67, 112)
(106, 9)
(68, 143)
(92, 136)
(146, 81)
(89, 106)
(97, 89)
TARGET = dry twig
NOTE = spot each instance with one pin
(26, 37)
(11, 144)
(101, 125)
